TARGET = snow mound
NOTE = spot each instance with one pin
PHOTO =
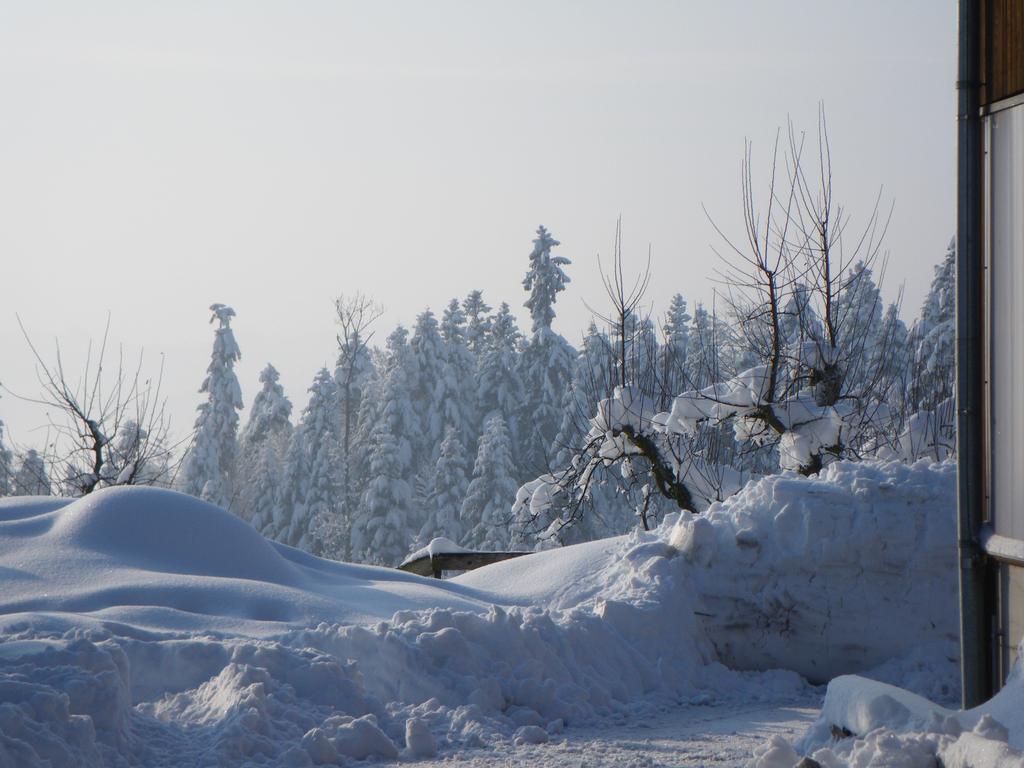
(145, 627)
(868, 724)
(830, 574)
(161, 560)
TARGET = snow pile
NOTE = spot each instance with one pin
(830, 574)
(868, 724)
(145, 627)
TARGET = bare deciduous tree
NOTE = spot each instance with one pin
(102, 429)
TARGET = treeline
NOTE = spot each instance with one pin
(433, 432)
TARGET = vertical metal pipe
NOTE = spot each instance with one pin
(975, 597)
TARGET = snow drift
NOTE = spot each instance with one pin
(145, 627)
(830, 574)
(869, 724)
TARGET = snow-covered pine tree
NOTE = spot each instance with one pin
(459, 399)
(547, 358)
(500, 386)
(426, 391)
(702, 364)
(381, 533)
(136, 458)
(356, 377)
(451, 479)
(396, 407)
(388, 416)
(6, 465)
(675, 346)
(859, 324)
(266, 487)
(312, 467)
(545, 279)
(329, 530)
(478, 323)
(270, 413)
(593, 379)
(486, 511)
(210, 463)
(31, 478)
(264, 442)
(935, 336)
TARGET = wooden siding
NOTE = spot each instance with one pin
(1002, 49)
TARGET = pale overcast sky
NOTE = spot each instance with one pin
(158, 157)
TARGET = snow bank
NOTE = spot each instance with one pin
(158, 559)
(831, 574)
(145, 627)
(868, 724)
(142, 626)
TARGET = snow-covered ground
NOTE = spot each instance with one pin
(143, 627)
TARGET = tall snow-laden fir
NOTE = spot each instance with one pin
(547, 358)
(382, 532)
(459, 377)
(935, 333)
(544, 279)
(31, 479)
(134, 457)
(354, 374)
(6, 465)
(396, 408)
(265, 493)
(210, 463)
(675, 346)
(478, 322)
(451, 478)
(486, 512)
(310, 496)
(702, 363)
(500, 385)
(264, 442)
(270, 414)
(427, 390)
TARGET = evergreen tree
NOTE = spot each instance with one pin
(31, 478)
(270, 413)
(381, 532)
(478, 323)
(451, 478)
(544, 279)
(459, 377)
(135, 458)
(312, 465)
(355, 375)
(486, 511)
(500, 386)
(427, 351)
(593, 379)
(858, 323)
(265, 479)
(6, 466)
(210, 462)
(547, 359)
(702, 356)
(935, 337)
(264, 442)
(672, 360)
(396, 407)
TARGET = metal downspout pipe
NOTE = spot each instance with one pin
(976, 651)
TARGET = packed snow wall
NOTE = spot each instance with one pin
(830, 574)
